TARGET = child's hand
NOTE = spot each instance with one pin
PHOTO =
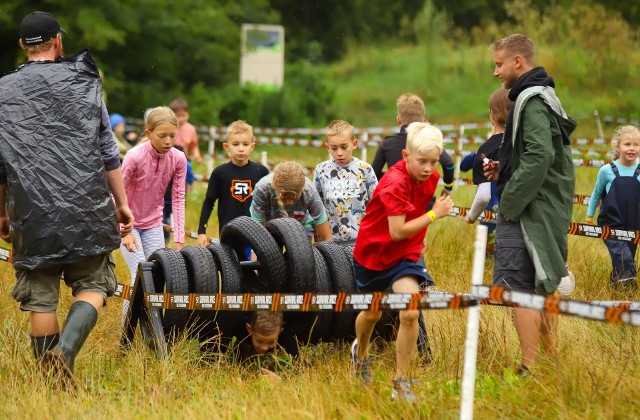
(443, 206)
(491, 168)
(203, 240)
(4, 229)
(124, 217)
(130, 243)
(269, 374)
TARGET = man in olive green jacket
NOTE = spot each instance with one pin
(535, 183)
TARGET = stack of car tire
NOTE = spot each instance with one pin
(287, 262)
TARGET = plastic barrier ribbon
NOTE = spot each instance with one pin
(617, 313)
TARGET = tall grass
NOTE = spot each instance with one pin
(594, 375)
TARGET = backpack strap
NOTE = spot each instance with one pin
(614, 168)
(637, 171)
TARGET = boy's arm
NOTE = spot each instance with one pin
(372, 182)
(317, 182)
(448, 169)
(207, 207)
(378, 162)
(258, 209)
(400, 229)
(323, 232)
(598, 189)
(195, 149)
(482, 198)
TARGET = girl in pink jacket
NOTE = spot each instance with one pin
(147, 169)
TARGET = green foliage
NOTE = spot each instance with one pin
(304, 100)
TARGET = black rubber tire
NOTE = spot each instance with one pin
(321, 323)
(170, 276)
(228, 281)
(349, 250)
(291, 235)
(243, 231)
(203, 278)
(342, 280)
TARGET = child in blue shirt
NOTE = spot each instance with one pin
(618, 184)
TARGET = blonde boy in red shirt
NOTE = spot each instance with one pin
(389, 244)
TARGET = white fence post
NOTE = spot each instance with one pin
(263, 158)
(363, 146)
(473, 327)
(213, 132)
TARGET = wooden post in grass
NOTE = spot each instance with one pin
(473, 326)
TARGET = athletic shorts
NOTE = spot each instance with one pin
(379, 281)
(39, 290)
(512, 265)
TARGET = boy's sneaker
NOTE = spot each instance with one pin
(402, 390)
(523, 372)
(361, 368)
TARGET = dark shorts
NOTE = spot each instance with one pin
(39, 290)
(379, 281)
(512, 266)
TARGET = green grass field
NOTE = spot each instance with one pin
(595, 374)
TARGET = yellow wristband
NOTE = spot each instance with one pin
(588, 219)
(432, 215)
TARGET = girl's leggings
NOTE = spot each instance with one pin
(149, 240)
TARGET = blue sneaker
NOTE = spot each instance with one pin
(361, 368)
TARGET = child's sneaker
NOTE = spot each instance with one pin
(402, 390)
(361, 368)
(523, 372)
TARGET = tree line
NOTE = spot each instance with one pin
(151, 51)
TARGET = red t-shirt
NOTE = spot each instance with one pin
(397, 193)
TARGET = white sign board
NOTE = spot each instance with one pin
(262, 59)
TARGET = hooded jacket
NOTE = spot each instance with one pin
(539, 193)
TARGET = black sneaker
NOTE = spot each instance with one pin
(523, 372)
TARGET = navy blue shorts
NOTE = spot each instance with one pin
(379, 281)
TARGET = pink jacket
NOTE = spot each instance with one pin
(147, 174)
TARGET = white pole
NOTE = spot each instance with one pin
(363, 145)
(213, 133)
(600, 132)
(263, 158)
(473, 327)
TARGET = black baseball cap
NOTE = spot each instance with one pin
(38, 27)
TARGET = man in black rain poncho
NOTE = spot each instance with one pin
(58, 165)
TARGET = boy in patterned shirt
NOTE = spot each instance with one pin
(344, 182)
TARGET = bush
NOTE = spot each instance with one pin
(303, 101)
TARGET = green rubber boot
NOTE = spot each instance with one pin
(80, 321)
(42, 344)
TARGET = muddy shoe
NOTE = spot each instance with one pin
(361, 368)
(57, 369)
